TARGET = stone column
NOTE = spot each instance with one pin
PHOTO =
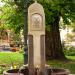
(36, 32)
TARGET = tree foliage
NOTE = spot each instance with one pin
(54, 10)
(13, 11)
(13, 14)
(62, 8)
(3, 33)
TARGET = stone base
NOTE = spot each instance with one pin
(57, 72)
(26, 72)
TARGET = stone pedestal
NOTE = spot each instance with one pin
(36, 46)
(36, 37)
(25, 71)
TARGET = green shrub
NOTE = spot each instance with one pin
(69, 50)
(21, 51)
(2, 69)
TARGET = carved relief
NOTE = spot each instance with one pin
(36, 22)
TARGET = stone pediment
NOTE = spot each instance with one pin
(36, 7)
(36, 18)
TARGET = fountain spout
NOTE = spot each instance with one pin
(37, 70)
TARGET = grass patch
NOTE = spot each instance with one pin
(63, 64)
(71, 57)
(10, 58)
(17, 58)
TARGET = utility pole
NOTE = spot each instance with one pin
(25, 31)
(26, 4)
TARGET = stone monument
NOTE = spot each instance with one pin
(36, 37)
(36, 46)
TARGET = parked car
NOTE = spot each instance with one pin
(13, 48)
(6, 48)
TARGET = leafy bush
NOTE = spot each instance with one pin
(2, 69)
(21, 51)
(69, 50)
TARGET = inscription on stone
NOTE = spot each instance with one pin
(36, 22)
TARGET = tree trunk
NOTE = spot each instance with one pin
(53, 42)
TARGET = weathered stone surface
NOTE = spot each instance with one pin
(36, 28)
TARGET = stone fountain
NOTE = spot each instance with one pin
(36, 46)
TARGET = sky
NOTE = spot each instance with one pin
(1, 4)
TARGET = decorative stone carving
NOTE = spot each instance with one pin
(36, 22)
(36, 29)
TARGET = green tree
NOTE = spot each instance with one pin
(3, 33)
(54, 9)
(12, 17)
